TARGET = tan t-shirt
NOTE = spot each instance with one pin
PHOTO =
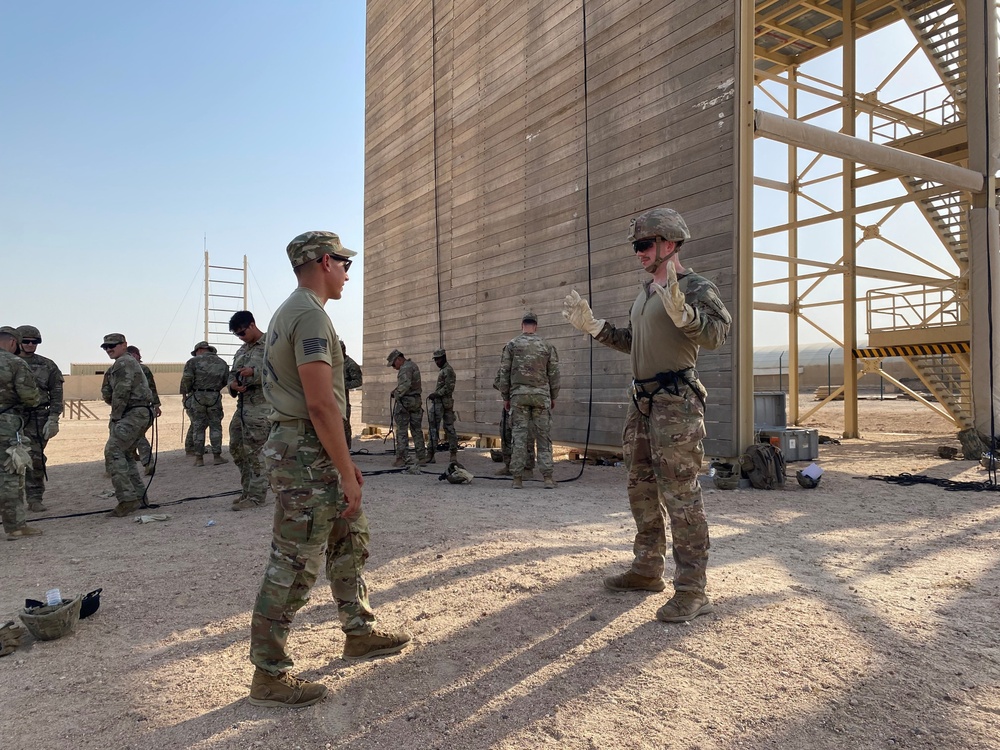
(300, 332)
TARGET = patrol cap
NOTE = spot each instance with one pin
(202, 345)
(314, 245)
(659, 222)
(113, 339)
(10, 330)
(439, 354)
(392, 356)
(529, 317)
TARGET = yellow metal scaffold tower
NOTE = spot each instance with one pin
(833, 236)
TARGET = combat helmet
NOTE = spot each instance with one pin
(726, 476)
(807, 481)
(50, 622)
(659, 222)
(30, 332)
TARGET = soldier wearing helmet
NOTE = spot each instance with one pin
(443, 411)
(18, 391)
(675, 314)
(407, 411)
(41, 423)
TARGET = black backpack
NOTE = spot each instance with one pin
(764, 465)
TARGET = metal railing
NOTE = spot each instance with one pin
(916, 306)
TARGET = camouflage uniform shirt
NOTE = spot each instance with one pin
(50, 382)
(529, 367)
(407, 380)
(125, 387)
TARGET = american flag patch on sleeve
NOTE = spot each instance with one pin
(311, 347)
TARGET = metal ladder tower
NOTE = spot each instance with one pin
(223, 284)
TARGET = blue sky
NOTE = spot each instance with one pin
(130, 132)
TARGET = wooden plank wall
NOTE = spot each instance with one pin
(479, 147)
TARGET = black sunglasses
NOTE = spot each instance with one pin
(107, 347)
(641, 245)
(345, 262)
(31, 341)
(241, 333)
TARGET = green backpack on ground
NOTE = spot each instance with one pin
(764, 465)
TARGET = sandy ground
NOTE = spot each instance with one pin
(860, 614)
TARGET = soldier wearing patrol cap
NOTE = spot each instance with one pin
(407, 412)
(310, 470)
(18, 391)
(675, 314)
(529, 385)
(41, 423)
(205, 375)
(126, 390)
(442, 409)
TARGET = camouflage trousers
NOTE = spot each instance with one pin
(119, 451)
(308, 504)
(441, 416)
(12, 504)
(206, 414)
(663, 454)
(407, 416)
(530, 417)
(507, 442)
(248, 432)
(34, 476)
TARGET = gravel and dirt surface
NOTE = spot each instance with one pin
(860, 614)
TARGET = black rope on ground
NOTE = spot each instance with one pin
(159, 505)
(909, 480)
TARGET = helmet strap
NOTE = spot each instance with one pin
(658, 260)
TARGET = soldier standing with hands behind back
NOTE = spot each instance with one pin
(676, 313)
(529, 385)
(443, 397)
(42, 422)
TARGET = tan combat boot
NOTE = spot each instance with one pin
(518, 482)
(629, 581)
(124, 509)
(453, 456)
(199, 460)
(219, 459)
(684, 606)
(375, 643)
(245, 503)
(503, 471)
(284, 690)
(23, 532)
(430, 459)
(550, 483)
(400, 461)
(36, 506)
(150, 470)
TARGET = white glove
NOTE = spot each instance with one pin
(578, 313)
(19, 459)
(51, 428)
(673, 299)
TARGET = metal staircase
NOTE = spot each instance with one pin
(949, 378)
(939, 27)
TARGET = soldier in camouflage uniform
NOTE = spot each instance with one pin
(18, 392)
(444, 408)
(408, 412)
(145, 449)
(250, 425)
(126, 390)
(507, 437)
(41, 423)
(317, 485)
(205, 375)
(352, 379)
(675, 314)
(529, 385)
